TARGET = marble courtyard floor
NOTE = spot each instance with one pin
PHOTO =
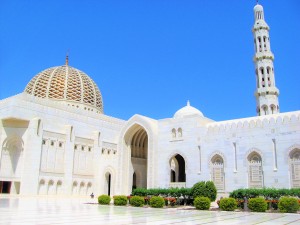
(38, 210)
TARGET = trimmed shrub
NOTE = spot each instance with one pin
(120, 200)
(288, 205)
(202, 203)
(257, 204)
(104, 200)
(157, 202)
(137, 201)
(204, 189)
(228, 204)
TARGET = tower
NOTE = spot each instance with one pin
(266, 92)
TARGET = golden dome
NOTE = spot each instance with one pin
(67, 84)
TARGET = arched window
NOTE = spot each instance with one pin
(273, 109)
(259, 42)
(82, 189)
(265, 43)
(89, 188)
(173, 133)
(269, 75)
(257, 79)
(261, 69)
(255, 172)
(75, 188)
(59, 187)
(51, 189)
(42, 187)
(258, 110)
(217, 172)
(265, 109)
(179, 132)
(294, 161)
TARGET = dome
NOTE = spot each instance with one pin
(258, 7)
(66, 84)
(187, 111)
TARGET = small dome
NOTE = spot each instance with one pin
(187, 111)
(66, 84)
(258, 7)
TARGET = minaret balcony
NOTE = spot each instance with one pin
(263, 55)
(266, 91)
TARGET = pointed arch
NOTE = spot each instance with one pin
(174, 133)
(50, 188)
(59, 187)
(42, 187)
(89, 187)
(179, 130)
(264, 109)
(177, 169)
(82, 188)
(294, 165)
(216, 154)
(217, 171)
(109, 181)
(12, 157)
(75, 188)
(137, 137)
(255, 169)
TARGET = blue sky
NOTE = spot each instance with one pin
(150, 56)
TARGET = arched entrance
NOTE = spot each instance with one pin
(134, 181)
(177, 171)
(108, 183)
(136, 141)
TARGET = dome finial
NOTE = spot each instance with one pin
(67, 58)
(188, 103)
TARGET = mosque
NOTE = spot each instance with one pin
(56, 140)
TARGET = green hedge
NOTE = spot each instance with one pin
(228, 204)
(104, 200)
(267, 193)
(157, 202)
(137, 201)
(120, 200)
(204, 189)
(257, 204)
(288, 205)
(202, 203)
(166, 192)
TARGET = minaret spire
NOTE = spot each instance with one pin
(67, 58)
(266, 92)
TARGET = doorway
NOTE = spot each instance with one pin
(5, 187)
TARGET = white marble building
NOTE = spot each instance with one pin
(55, 139)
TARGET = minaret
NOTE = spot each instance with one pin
(266, 92)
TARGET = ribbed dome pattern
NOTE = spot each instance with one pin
(66, 83)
